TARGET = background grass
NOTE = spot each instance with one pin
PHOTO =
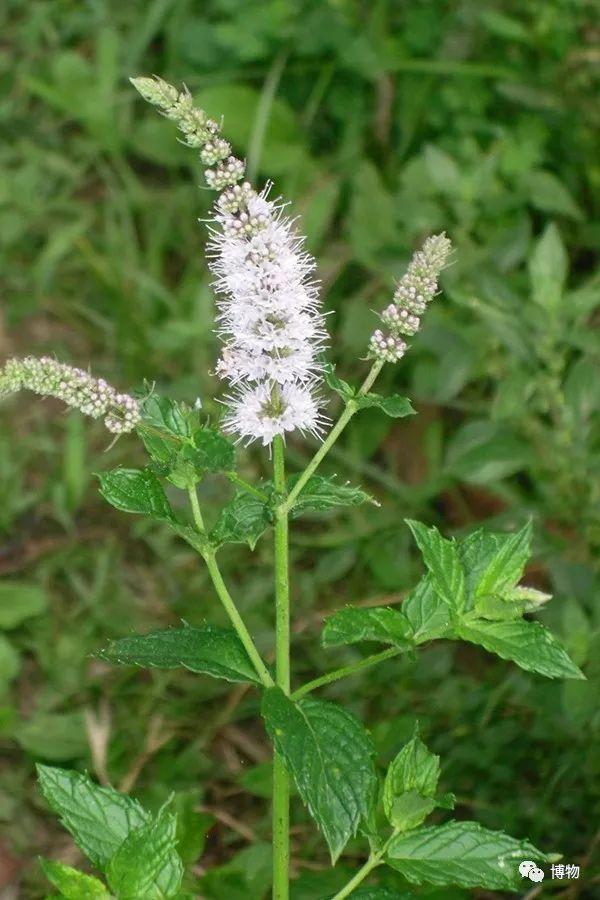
(381, 122)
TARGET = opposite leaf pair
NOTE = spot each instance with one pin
(325, 748)
(470, 593)
(331, 758)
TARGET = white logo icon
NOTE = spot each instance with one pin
(528, 869)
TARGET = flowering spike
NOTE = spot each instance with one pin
(257, 412)
(269, 317)
(78, 389)
(199, 131)
(413, 292)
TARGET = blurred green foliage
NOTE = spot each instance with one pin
(381, 122)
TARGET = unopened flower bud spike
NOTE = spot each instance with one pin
(77, 388)
(415, 290)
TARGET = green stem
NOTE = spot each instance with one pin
(374, 860)
(281, 784)
(349, 410)
(372, 863)
(226, 599)
(282, 586)
(246, 486)
(196, 511)
(236, 620)
(344, 671)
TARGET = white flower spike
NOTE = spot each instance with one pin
(269, 320)
(269, 312)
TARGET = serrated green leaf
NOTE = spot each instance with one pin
(322, 493)
(330, 756)
(167, 415)
(207, 650)
(492, 563)
(446, 801)
(98, 818)
(162, 450)
(212, 451)
(242, 521)
(410, 785)
(441, 558)
(505, 567)
(341, 387)
(181, 472)
(351, 625)
(475, 552)
(528, 644)
(136, 491)
(409, 810)
(427, 613)
(394, 406)
(462, 854)
(20, 601)
(147, 864)
(499, 609)
(72, 884)
(192, 826)
(184, 460)
(415, 767)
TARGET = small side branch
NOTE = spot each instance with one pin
(349, 410)
(226, 598)
(344, 671)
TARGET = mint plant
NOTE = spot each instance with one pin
(273, 334)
